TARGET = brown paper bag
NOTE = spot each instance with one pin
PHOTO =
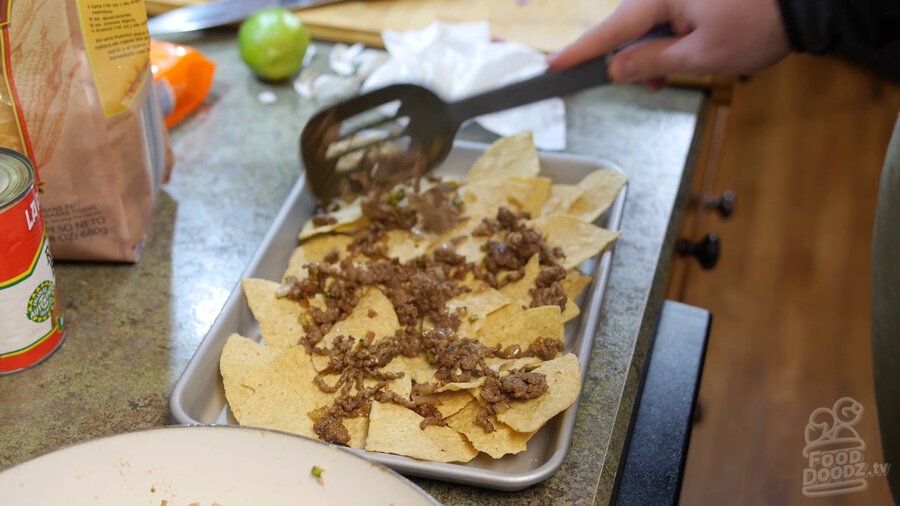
(76, 96)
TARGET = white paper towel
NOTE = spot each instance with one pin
(458, 60)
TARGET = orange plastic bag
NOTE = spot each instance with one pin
(182, 77)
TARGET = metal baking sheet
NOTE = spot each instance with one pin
(199, 397)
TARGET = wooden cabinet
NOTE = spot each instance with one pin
(698, 245)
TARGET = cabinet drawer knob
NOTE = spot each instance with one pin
(706, 250)
(724, 203)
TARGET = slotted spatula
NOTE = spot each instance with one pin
(424, 122)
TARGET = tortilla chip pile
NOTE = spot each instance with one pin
(273, 385)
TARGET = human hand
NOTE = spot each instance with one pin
(726, 37)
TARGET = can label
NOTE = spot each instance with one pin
(31, 323)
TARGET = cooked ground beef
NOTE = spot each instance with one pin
(419, 290)
(330, 428)
(332, 257)
(430, 413)
(369, 243)
(497, 392)
(389, 217)
(448, 256)
(512, 351)
(545, 348)
(487, 228)
(499, 255)
(524, 385)
(436, 208)
(510, 245)
(548, 291)
(323, 219)
(458, 360)
(329, 422)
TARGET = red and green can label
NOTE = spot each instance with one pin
(31, 323)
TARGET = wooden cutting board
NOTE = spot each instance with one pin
(546, 25)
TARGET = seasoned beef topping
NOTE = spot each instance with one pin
(545, 348)
(389, 216)
(548, 291)
(419, 290)
(332, 257)
(510, 245)
(438, 210)
(330, 428)
(523, 385)
(458, 360)
(497, 392)
(323, 219)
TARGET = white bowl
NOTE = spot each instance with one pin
(204, 465)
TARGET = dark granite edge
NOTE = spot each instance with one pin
(646, 333)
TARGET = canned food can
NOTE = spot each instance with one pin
(31, 322)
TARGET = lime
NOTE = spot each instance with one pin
(272, 42)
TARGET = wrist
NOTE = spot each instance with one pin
(810, 25)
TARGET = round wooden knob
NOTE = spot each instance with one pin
(706, 250)
(724, 203)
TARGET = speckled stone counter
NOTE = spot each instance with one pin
(133, 328)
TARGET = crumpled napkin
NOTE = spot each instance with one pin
(458, 60)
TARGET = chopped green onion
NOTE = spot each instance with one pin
(395, 197)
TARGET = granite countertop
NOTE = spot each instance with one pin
(133, 328)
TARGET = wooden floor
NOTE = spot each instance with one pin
(790, 297)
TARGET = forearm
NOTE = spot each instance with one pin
(822, 26)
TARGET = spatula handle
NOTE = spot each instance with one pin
(547, 85)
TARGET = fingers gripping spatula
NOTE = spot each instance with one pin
(422, 121)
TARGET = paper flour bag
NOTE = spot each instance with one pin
(76, 97)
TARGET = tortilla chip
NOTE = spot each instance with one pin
(562, 196)
(400, 386)
(578, 239)
(395, 429)
(405, 246)
(296, 264)
(478, 304)
(374, 313)
(573, 285)
(279, 318)
(570, 312)
(537, 195)
(564, 381)
(482, 198)
(452, 402)
(460, 386)
(471, 248)
(274, 386)
(315, 250)
(512, 156)
(348, 219)
(600, 189)
(240, 358)
(359, 430)
(284, 395)
(415, 368)
(504, 365)
(524, 329)
(519, 292)
(502, 441)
